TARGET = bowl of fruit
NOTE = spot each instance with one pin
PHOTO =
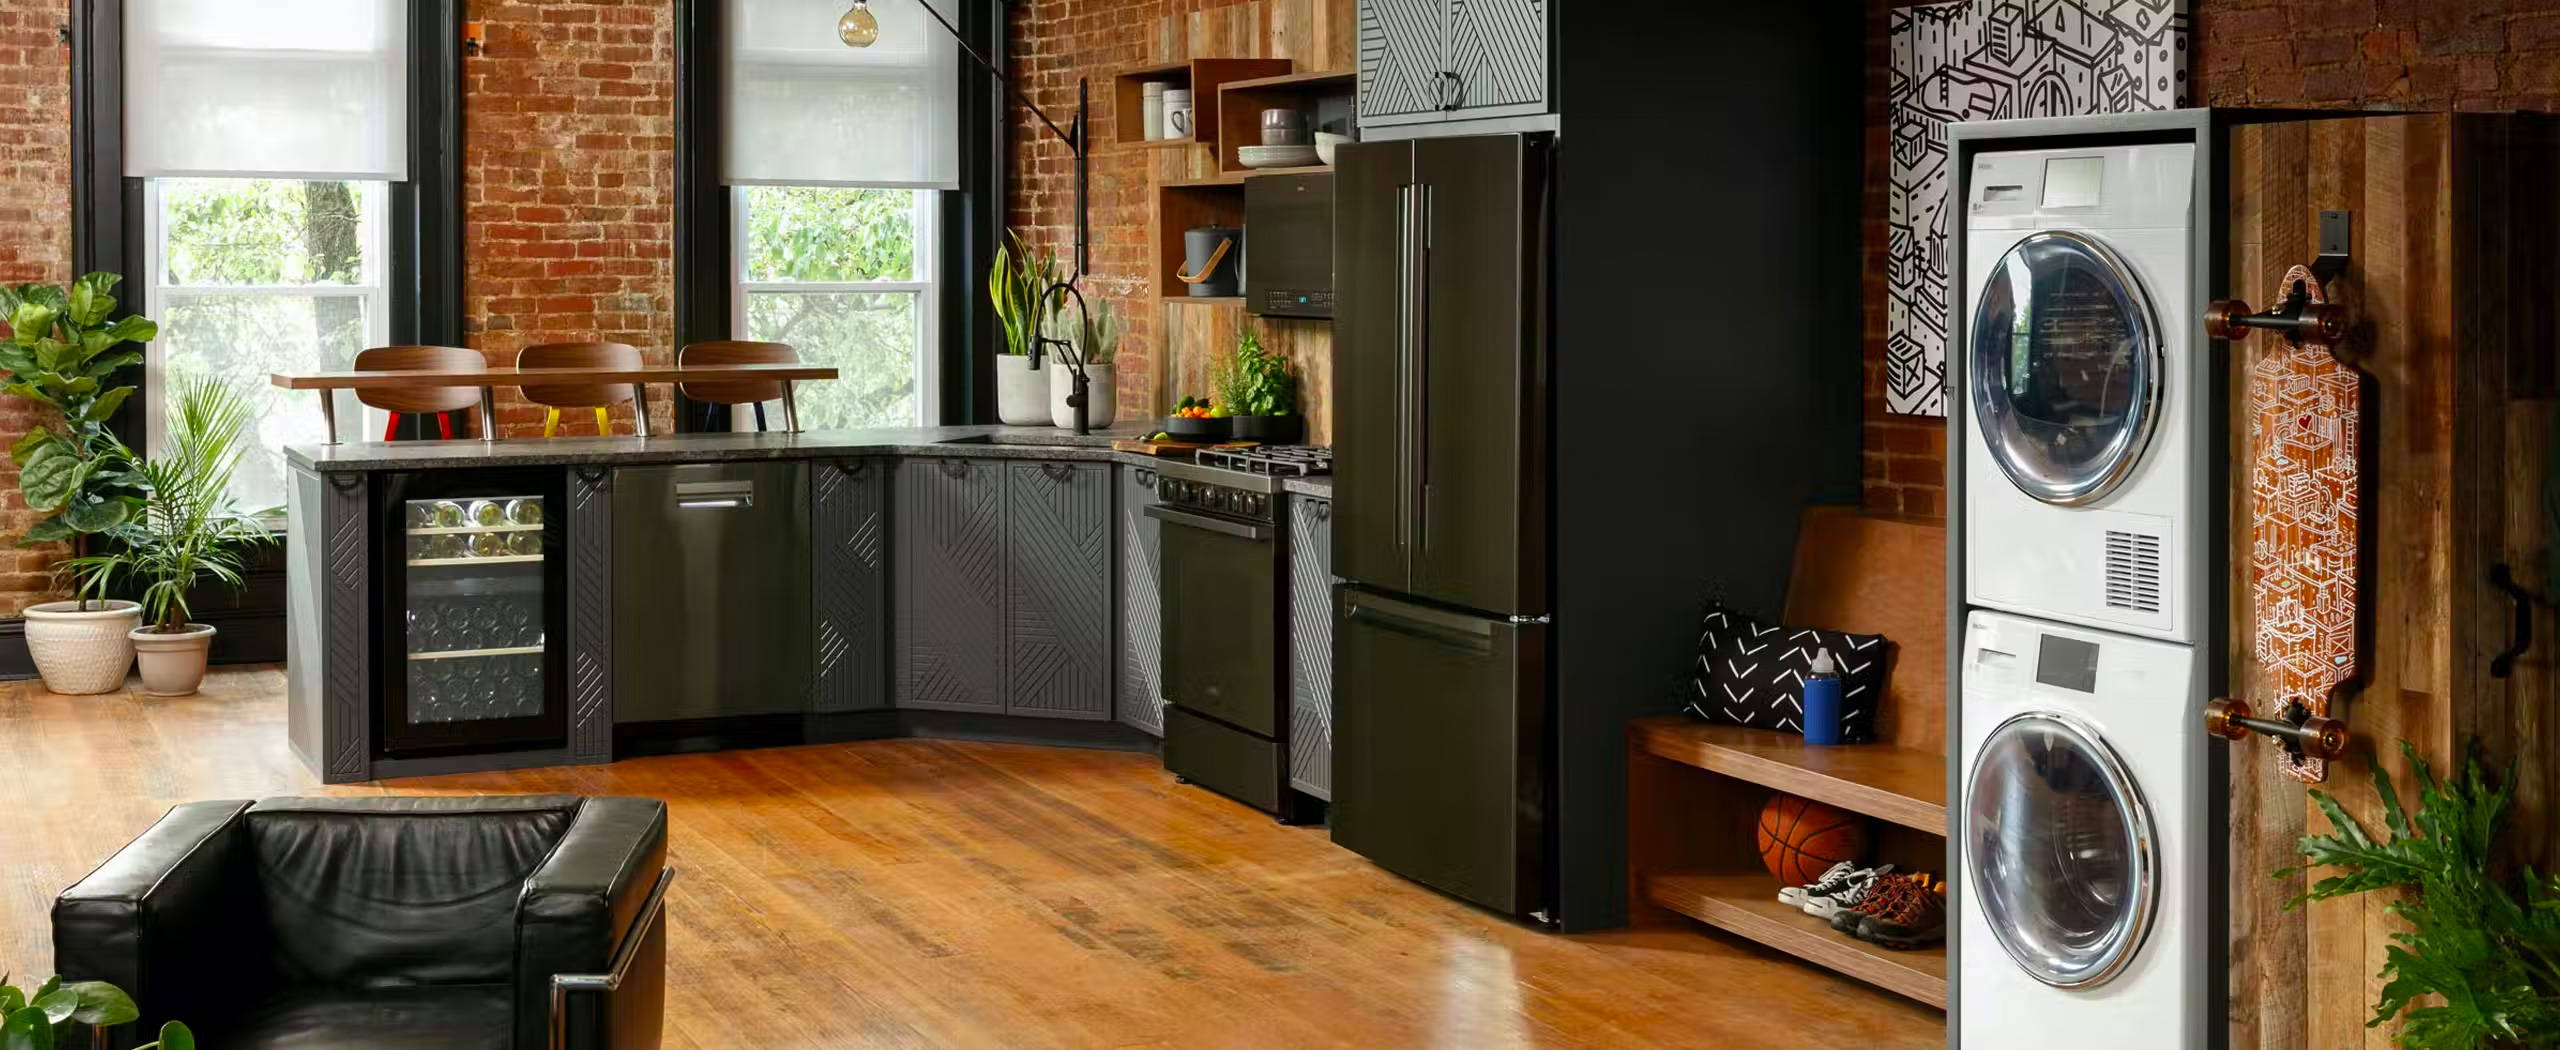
(1195, 419)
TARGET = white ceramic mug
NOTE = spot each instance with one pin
(1177, 113)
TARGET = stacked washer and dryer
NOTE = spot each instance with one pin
(2084, 828)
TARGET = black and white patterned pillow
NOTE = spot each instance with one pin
(1749, 673)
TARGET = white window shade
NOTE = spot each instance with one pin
(301, 89)
(806, 110)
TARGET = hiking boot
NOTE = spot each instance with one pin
(1910, 919)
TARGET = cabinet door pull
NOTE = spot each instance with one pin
(2519, 637)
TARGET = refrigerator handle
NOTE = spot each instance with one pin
(1418, 384)
(1406, 307)
(1464, 633)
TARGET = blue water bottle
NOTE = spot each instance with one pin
(1822, 700)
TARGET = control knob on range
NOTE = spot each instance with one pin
(1257, 504)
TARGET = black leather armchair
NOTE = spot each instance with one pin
(389, 923)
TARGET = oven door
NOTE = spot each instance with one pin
(1220, 586)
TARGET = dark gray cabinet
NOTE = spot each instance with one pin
(1058, 622)
(1311, 645)
(949, 581)
(849, 505)
(1425, 61)
(1141, 604)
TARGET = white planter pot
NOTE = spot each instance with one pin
(1022, 395)
(80, 652)
(172, 664)
(1103, 395)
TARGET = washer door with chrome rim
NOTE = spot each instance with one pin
(2066, 368)
(2059, 848)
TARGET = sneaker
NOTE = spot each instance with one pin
(1911, 920)
(1879, 896)
(1828, 898)
(1794, 895)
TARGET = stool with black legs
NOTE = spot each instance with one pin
(734, 392)
(439, 402)
(599, 396)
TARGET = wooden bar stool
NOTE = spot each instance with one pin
(440, 402)
(599, 396)
(743, 391)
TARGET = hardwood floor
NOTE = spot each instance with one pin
(932, 893)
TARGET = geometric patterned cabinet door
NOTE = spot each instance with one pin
(1403, 54)
(950, 585)
(849, 500)
(1058, 622)
(1498, 49)
(1141, 604)
(1311, 645)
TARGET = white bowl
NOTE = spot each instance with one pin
(1276, 156)
(1325, 142)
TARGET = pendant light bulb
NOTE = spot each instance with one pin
(858, 28)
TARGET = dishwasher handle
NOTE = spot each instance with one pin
(715, 495)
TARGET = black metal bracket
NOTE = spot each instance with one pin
(2337, 245)
(2520, 637)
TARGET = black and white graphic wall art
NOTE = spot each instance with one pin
(1995, 60)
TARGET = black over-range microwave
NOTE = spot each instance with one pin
(1288, 255)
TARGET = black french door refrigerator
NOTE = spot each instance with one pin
(1442, 713)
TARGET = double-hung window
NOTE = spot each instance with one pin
(266, 147)
(835, 158)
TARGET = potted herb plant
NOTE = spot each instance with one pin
(1261, 392)
(40, 1018)
(190, 532)
(1099, 343)
(2479, 966)
(64, 353)
(1019, 283)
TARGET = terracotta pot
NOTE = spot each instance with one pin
(82, 651)
(1022, 395)
(1103, 393)
(172, 664)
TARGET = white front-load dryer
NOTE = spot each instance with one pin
(2083, 480)
(2082, 841)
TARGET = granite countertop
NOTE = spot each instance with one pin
(1321, 486)
(975, 442)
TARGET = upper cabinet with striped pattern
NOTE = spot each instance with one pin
(1428, 61)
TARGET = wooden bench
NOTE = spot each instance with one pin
(1694, 790)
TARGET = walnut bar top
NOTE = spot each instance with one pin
(512, 376)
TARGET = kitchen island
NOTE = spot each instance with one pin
(583, 599)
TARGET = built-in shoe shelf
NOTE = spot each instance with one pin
(1904, 785)
(1746, 903)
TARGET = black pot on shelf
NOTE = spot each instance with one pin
(1197, 428)
(1270, 430)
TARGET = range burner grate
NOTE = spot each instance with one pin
(1288, 461)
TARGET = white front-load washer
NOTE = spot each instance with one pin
(2082, 841)
(2082, 481)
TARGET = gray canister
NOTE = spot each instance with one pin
(1210, 272)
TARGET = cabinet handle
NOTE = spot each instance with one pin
(2520, 636)
(955, 468)
(856, 469)
(1322, 510)
(1146, 479)
(1058, 471)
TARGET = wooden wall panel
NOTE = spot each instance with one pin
(2454, 480)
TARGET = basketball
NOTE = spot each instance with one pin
(1799, 838)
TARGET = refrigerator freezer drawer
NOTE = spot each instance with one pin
(1440, 745)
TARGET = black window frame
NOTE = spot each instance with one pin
(970, 216)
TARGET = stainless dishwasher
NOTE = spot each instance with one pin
(711, 591)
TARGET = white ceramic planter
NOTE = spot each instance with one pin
(1104, 396)
(172, 664)
(1022, 395)
(80, 652)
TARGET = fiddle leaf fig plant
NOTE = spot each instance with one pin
(2479, 965)
(64, 352)
(34, 1019)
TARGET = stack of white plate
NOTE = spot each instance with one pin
(1276, 156)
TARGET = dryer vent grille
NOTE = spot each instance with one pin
(2133, 571)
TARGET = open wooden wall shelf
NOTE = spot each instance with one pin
(1904, 785)
(1746, 903)
(1201, 76)
(1241, 102)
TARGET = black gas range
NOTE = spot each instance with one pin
(1224, 583)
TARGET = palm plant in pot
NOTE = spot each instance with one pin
(1019, 284)
(190, 532)
(64, 352)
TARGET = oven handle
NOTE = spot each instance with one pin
(1238, 529)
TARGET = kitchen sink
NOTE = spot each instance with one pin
(1061, 439)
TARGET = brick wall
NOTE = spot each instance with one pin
(2368, 54)
(569, 185)
(1048, 47)
(35, 231)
